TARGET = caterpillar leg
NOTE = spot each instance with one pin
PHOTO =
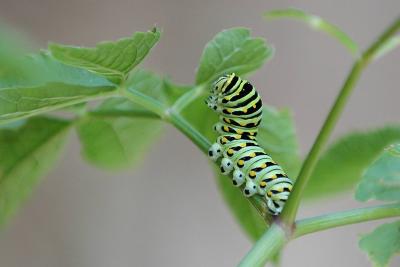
(250, 188)
(226, 166)
(274, 207)
(215, 151)
(238, 178)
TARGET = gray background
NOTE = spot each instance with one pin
(80, 216)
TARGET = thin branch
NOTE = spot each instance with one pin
(323, 222)
(290, 211)
(187, 98)
(261, 251)
(269, 242)
(123, 113)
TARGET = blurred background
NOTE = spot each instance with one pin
(81, 216)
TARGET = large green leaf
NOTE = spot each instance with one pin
(145, 83)
(316, 23)
(342, 164)
(232, 50)
(277, 135)
(55, 86)
(382, 244)
(114, 142)
(12, 50)
(381, 181)
(119, 142)
(29, 101)
(243, 211)
(113, 60)
(26, 154)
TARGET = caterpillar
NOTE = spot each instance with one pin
(240, 112)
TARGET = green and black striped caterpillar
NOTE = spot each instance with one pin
(240, 112)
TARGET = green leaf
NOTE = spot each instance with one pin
(146, 83)
(58, 86)
(316, 23)
(341, 166)
(25, 102)
(26, 154)
(120, 142)
(277, 135)
(381, 181)
(113, 60)
(382, 244)
(232, 50)
(12, 49)
(245, 214)
(388, 46)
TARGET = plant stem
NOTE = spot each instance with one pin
(260, 252)
(145, 101)
(269, 242)
(124, 113)
(290, 211)
(187, 98)
(323, 222)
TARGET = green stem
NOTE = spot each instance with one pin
(323, 222)
(187, 98)
(263, 248)
(290, 211)
(123, 113)
(268, 241)
(145, 101)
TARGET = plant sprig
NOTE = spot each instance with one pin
(137, 101)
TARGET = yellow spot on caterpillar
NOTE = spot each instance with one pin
(263, 184)
(229, 110)
(237, 137)
(244, 110)
(230, 151)
(280, 189)
(241, 162)
(269, 193)
(252, 173)
(252, 155)
(274, 176)
(254, 106)
(224, 140)
(264, 166)
(239, 131)
(226, 129)
(243, 144)
(242, 123)
(227, 120)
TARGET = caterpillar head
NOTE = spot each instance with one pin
(211, 102)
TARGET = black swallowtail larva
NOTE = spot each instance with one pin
(240, 112)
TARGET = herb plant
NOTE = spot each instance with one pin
(131, 104)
